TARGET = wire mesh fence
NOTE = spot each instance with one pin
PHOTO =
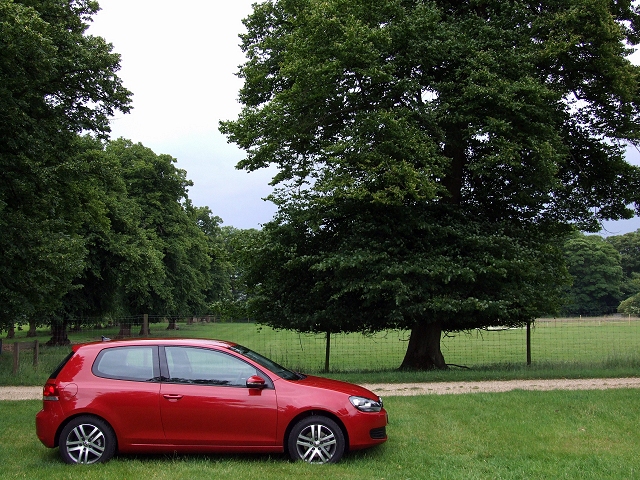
(560, 340)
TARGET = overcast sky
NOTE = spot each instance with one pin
(179, 59)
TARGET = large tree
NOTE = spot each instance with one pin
(55, 82)
(432, 156)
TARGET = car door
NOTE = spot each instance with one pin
(126, 393)
(205, 400)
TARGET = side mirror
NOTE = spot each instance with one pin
(256, 382)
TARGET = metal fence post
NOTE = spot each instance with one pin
(327, 352)
(528, 343)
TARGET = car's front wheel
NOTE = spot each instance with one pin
(316, 439)
(87, 440)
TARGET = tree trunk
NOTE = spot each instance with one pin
(125, 331)
(32, 329)
(58, 334)
(423, 352)
(172, 324)
(11, 331)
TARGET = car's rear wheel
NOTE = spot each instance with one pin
(87, 440)
(316, 439)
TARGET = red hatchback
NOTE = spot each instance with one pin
(164, 396)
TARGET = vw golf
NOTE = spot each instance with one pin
(205, 396)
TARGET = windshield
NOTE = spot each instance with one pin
(268, 364)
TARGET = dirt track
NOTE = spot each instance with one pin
(436, 388)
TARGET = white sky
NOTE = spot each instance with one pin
(179, 59)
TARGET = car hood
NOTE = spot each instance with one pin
(336, 386)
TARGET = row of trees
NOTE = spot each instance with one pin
(140, 246)
(88, 226)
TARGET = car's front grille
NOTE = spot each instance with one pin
(378, 433)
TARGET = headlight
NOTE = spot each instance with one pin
(366, 404)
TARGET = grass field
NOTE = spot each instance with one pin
(515, 435)
(563, 347)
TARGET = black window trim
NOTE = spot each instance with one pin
(61, 365)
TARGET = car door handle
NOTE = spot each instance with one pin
(172, 397)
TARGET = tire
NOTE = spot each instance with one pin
(316, 440)
(87, 440)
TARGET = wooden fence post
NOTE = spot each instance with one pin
(35, 345)
(16, 357)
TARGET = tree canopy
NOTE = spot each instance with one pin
(55, 82)
(433, 156)
(628, 245)
(594, 265)
(147, 249)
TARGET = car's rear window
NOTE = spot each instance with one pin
(59, 368)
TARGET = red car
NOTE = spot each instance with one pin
(165, 396)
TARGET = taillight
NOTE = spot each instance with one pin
(50, 392)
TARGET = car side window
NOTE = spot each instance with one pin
(207, 367)
(128, 363)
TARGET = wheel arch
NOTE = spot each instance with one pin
(82, 414)
(312, 413)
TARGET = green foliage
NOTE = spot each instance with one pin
(219, 275)
(239, 247)
(170, 224)
(55, 82)
(146, 249)
(594, 265)
(628, 245)
(377, 267)
(630, 306)
(398, 101)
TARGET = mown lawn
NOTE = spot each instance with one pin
(514, 435)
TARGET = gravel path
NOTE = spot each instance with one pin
(436, 388)
(20, 393)
(444, 388)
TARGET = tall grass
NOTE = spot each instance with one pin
(514, 435)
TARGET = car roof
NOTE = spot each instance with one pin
(130, 342)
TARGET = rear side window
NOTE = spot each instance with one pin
(128, 363)
(61, 366)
